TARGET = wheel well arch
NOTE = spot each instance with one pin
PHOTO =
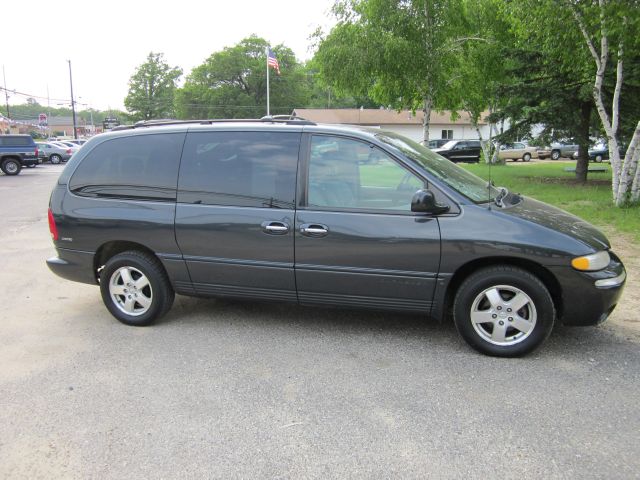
(114, 247)
(546, 277)
(9, 157)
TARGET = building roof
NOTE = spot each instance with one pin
(374, 116)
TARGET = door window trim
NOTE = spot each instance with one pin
(303, 181)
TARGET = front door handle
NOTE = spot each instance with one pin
(314, 229)
(275, 228)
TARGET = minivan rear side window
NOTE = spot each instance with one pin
(246, 169)
(141, 166)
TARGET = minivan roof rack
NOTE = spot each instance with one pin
(288, 119)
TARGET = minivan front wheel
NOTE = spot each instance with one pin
(135, 288)
(503, 311)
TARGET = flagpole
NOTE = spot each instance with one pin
(267, 52)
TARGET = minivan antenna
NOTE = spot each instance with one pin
(489, 184)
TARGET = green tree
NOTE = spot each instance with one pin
(232, 83)
(610, 30)
(474, 84)
(152, 88)
(547, 78)
(396, 52)
(558, 75)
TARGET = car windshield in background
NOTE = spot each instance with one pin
(469, 185)
(449, 145)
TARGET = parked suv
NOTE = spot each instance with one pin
(17, 151)
(322, 215)
(460, 150)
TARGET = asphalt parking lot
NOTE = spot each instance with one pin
(222, 389)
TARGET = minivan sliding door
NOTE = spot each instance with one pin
(235, 212)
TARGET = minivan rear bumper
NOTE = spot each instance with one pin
(585, 300)
(73, 265)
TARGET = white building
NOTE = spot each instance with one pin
(404, 122)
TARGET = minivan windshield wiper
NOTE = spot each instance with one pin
(501, 196)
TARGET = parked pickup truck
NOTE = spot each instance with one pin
(558, 150)
(17, 151)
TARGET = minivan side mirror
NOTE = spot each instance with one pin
(424, 201)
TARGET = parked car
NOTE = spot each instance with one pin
(516, 151)
(600, 152)
(460, 150)
(436, 143)
(17, 151)
(64, 144)
(54, 152)
(287, 210)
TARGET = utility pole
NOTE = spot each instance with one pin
(6, 93)
(73, 104)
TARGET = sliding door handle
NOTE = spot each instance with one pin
(275, 228)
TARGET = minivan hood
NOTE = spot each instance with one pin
(560, 221)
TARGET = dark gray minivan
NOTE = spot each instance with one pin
(284, 209)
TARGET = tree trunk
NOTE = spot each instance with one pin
(426, 122)
(629, 188)
(582, 165)
(485, 144)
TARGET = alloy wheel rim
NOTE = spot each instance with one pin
(131, 291)
(503, 315)
(11, 167)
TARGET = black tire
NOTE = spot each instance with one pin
(598, 158)
(158, 293)
(31, 165)
(555, 154)
(473, 300)
(11, 166)
(55, 159)
(526, 157)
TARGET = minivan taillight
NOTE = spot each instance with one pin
(36, 151)
(68, 150)
(52, 226)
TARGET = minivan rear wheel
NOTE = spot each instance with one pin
(135, 288)
(503, 311)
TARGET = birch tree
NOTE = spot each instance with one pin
(396, 52)
(610, 29)
(473, 86)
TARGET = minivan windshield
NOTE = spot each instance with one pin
(468, 184)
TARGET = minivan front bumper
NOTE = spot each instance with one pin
(588, 298)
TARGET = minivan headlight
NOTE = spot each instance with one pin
(590, 263)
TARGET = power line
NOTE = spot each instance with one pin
(29, 95)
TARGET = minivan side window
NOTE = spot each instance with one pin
(141, 166)
(244, 169)
(345, 173)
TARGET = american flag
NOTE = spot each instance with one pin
(272, 61)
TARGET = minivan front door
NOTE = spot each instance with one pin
(357, 243)
(235, 212)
